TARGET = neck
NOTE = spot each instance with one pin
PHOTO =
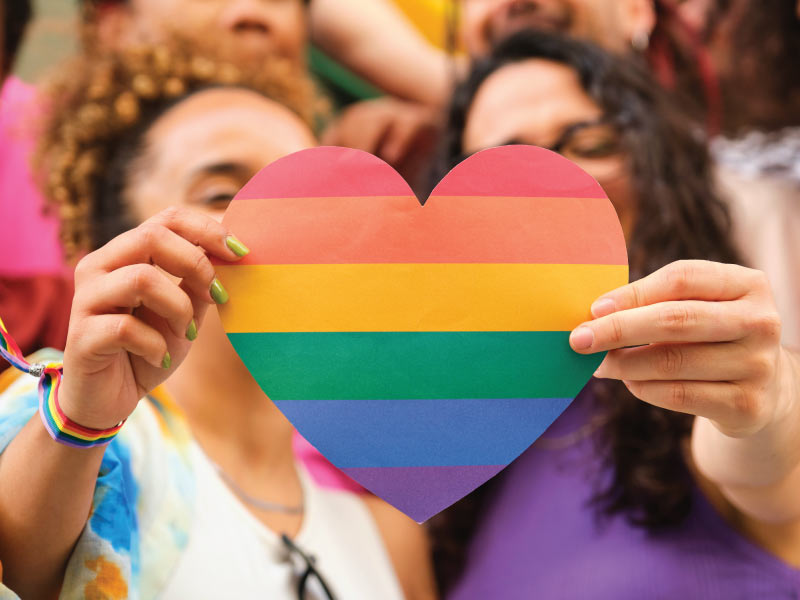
(228, 413)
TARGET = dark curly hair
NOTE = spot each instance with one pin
(680, 217)
(14, 16)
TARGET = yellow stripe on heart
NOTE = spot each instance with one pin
(413, 297)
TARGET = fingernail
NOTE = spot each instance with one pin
(603, 307)
(166, 361)
(582, 338)
(191, 331)
(237, 247)
(218, 293)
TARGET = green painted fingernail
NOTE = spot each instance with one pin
(218, 293)
(237, 247)
(166, 361)
(191, 331)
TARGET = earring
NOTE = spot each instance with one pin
(640, 40)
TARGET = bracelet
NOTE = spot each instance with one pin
(60, 427)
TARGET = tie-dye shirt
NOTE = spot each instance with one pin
(138, 526)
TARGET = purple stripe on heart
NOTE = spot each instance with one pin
(421, 492)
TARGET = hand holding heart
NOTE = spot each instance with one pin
(131, 324)
(695, 337)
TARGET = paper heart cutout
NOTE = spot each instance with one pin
(420, 349)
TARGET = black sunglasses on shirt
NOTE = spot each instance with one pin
(310, 571)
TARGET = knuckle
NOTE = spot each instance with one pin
(760, 280)
(83, 268)
(142, 277)
(210, 228)
(679, 396)
(761, 367)
(767, 325)
(747, 403)
(615, 330)
(675, 318)
(201, 265)
(679, 276)
(124, 328)
(637, 292)
(670, 361)
(169, 215)
(148, 234)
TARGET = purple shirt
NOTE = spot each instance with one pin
(539, 538)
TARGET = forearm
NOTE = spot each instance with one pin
(760, 473)
(382, 46)
(46, 491)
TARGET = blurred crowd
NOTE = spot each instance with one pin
(687, 112)
(382, 86)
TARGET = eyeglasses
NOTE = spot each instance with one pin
(595, 146)
(310, 571)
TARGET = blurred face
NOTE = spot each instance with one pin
(203, 150)
(252, 27)
(200, 153)
(611, 24)
(542, 103)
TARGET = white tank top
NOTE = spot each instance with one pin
(231, 554)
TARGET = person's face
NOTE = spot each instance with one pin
(611, 24)
(251, 27)
(542, 103)
(200, 152)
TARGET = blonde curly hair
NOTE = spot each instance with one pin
(99, 107)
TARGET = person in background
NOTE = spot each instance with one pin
(653, 30)
(199, 496)
(706, 52)
(756, 45)
(676, 472)
(32, 282)
(379, 45)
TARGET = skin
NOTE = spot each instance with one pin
(381, 45)
(253, 27)
(696, 337)
(533, 102)
(134, 301)
(611, 24)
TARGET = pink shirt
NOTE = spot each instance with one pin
(28, 238)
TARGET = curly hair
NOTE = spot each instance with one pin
(102, 105)
(679, 217)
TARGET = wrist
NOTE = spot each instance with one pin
(92, 415)
(59, 425)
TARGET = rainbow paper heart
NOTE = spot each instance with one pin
(420, 349)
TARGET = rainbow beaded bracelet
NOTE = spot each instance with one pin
(60, 427)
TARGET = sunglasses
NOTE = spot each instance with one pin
(309, 573)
